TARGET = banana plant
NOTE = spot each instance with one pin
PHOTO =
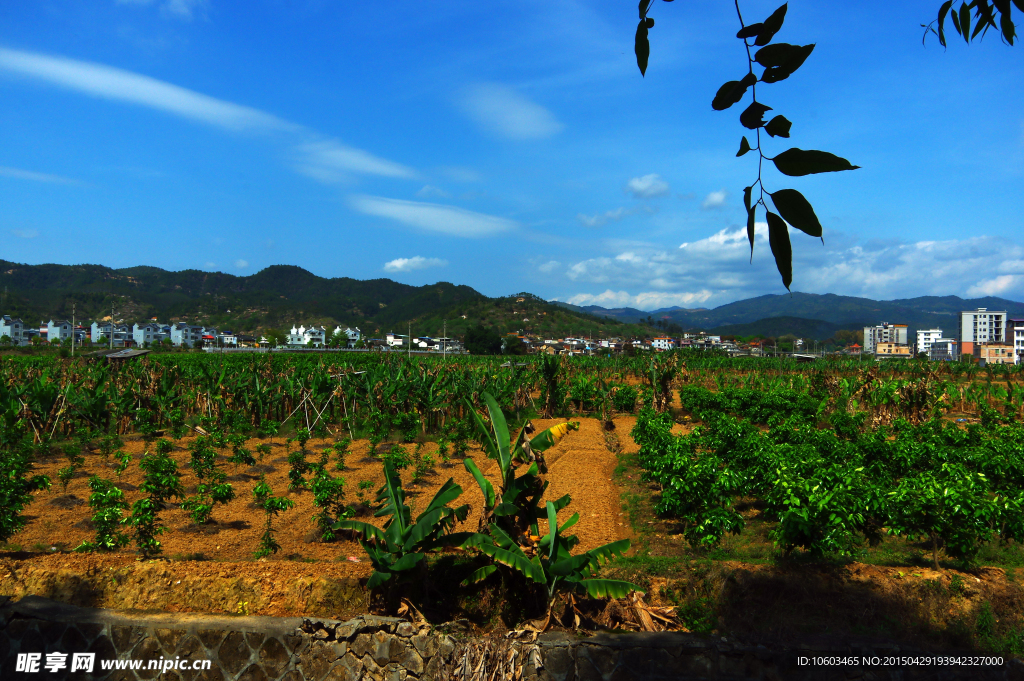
(551, 563)
(403, 543)
(515, 507)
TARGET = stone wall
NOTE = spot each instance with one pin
(238, 648)
(389, 649)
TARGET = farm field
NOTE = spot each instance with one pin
(716, 486)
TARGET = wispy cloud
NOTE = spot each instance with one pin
(241, 264)
(549, 267)
(181, 9)
(433, 217)
(24, 233)
(647, 187)
(714, 200)
(330, 161)
(503, 111)
(324, 159)
(430, 191)
(415, 263)
(124, 86)
(19, 174)
(599, 219)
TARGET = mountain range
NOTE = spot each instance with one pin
(819, 315)
(282, 295)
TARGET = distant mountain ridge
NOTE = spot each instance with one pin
(845, 312)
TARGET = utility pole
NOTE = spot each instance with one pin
(410, 341)
(73, 305)
(111, 325)
(444, 340)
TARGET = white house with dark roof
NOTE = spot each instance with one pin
(14, 329)
(58, 330)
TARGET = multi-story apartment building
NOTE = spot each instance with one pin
(884, 333)
(944, 350)
(1015, 337)
(925, 337)
(14, 329)
(301, 336)
(979, 327)
(663, 343)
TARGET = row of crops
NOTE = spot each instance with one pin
(840, 463)
(51, 397)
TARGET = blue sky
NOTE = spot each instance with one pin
(510, 146)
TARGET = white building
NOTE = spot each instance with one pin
(925, 338)
(1015, 337)
(884, 333)
(100, 334)
(981, 326)
(186, 335)
(14, 329)
(150, 333)
(394, 340)
(301, 336)
(58, 330)
(663, 343)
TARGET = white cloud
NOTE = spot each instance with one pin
(329, 161)
(501, 110)
(241, 264)
(650, 300)
(714, 200)
(210, 265)
(415, 263)
(720, 264)
(25, 233)
(429, 191)
(996, 286)
(549, 266)
(432, 216)
(19, 174)
(647, 187)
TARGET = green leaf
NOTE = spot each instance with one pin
(732, 92)
(744, 146)
(500, 428)
(750, 31)
(642, 47)
(753, 116)
(778, 127)
(778, 239)
(771, 26)
(606, 588)
(750, 220)
(776, 55)
(368, 531)
(480, 575)
(965, 22)
(376, 579)
(407, 562)
(513, 558)
(568, 566)
(606, 552)
(797, 211)
(485, 485)
(798, 162)
(956, 22)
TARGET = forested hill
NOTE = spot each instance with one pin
(274, 296)
(279, 296)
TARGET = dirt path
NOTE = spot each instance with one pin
(582, 466)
